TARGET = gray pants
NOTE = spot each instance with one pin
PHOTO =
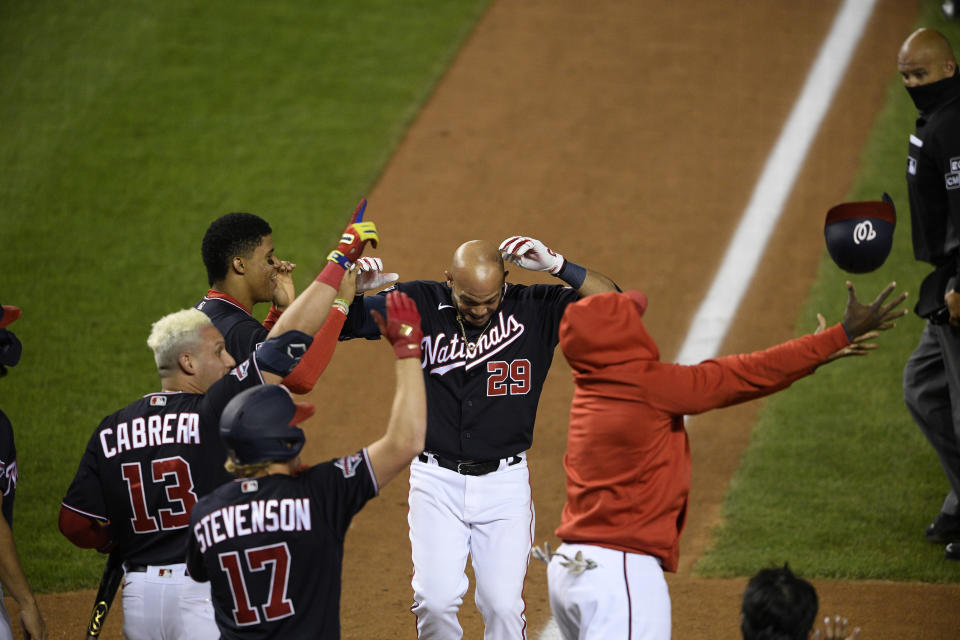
(931, 389)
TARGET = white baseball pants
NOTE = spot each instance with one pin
(624, 597)
(491, 519)
(163, 603)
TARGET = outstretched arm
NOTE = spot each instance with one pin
(406, 431)
(532, 254)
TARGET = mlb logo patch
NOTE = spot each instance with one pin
(911, 165)
(158, 401)
(249, 486)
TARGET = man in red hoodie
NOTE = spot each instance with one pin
(623, 517)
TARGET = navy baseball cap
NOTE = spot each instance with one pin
(859, 235)
(259, 425)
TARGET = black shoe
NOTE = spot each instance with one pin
(944, 528)
(952, 552)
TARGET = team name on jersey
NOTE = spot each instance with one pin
(152, 431)
(442, 354)
(248, 518)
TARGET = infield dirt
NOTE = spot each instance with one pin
(627, 136)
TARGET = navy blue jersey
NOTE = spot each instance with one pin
(242, 333)
(272, 548)
(483, 387)
(146, 465)
(8, 467)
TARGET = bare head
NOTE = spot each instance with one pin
(475, 279)
(925, 57)
(189, 351)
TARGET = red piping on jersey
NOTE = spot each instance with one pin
(220, 295)
(626, 583)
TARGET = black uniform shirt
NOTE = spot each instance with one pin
(8, 467)
(242, 333)
(146, 465)
(482, 400)
(933, 178)
(272, 549)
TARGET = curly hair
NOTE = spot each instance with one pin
(777, 605)
(235, 234)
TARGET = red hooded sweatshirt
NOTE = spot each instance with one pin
(628, 458)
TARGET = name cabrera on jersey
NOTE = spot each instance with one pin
(146, 465)
(482, 392)
(272, 548)
(242, 333)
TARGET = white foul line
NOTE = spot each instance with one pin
(710, 324)
(712, 320)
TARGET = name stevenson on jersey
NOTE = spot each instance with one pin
(249, 518)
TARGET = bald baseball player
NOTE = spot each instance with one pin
(271, 542)
(487, 347)
(930, 384)
(243, 270)
(628, 458)
(146, 465)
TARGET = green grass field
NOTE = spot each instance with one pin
(838, 479)
(126, 128)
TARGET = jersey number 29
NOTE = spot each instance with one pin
(508, 378)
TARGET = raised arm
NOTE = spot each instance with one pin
(310, 310)
(406, 431)
(532, 254)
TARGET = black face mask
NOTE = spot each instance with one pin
(928, 97)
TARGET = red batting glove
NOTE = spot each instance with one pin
(357, 234)
(402, 326)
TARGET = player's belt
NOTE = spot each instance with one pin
(131, 567)
(468, 467)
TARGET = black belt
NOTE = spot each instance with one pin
(468, 467)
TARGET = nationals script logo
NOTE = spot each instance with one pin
(442, 354)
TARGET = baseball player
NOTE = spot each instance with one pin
(271, 542)
(487, 347)
(147, 464)
(11, 573)
(243, 270)
(628, 458)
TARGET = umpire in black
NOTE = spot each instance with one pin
(931, 379)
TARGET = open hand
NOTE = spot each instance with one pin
(859, 318)
(835, 628)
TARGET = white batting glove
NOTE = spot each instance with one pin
(371, 275)
(531, 254)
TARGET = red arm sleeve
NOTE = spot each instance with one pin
(721, 382)
(317, 357)
(86, 533)
(272, 316)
